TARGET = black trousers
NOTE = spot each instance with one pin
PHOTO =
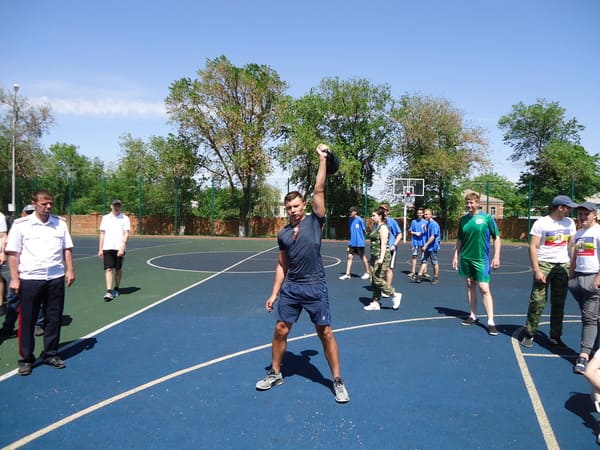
(50, 296)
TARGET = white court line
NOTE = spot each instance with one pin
(113, 324)
(536, 402)
(150, 262)
(547, 431)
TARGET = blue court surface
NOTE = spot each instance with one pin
(182, 373)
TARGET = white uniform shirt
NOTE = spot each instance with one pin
(554, 238)
(587, 244)
(40, 246)
(3, 227)
(114, 228)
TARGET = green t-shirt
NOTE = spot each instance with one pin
(475, 232)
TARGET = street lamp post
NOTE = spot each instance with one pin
(12, 206)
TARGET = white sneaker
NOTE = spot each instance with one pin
(365, 276)
(373, 306)
(385, 295)
(396, 299)
(345, 277)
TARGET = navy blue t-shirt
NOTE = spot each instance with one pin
(305, 264)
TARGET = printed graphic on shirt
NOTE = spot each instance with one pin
(557, 238)
(585, 246)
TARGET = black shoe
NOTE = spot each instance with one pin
(469, 321)
(24, 368)
(7, 332)
(55, 362)
(557, 342)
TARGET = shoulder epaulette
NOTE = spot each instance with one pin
(21, 219)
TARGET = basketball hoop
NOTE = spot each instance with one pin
(408, 199)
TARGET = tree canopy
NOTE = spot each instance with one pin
(528, 129)
(231, 114)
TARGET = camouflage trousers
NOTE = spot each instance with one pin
(557, 280)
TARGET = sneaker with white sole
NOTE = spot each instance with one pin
(373, 306)
(108, 296)
(345, 277)
(396, 299)
(580, 365)
(341, 394)
(527, 341)
(365, 276)
(270, 380)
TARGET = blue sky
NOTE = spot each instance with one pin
(106, 66)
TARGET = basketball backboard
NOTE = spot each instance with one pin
(416, 186)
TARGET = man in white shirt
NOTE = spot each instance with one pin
(3, 234)
(40, 259)
(114, 233)
(550, 244)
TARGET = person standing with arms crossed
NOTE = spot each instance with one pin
(550, 245)
(472, 258)
(114, 233)
(40, 259)
(300, 282)
(356, 246)
(417, 230)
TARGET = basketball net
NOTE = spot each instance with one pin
(408, 199)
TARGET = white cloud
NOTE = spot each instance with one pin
(103, 107)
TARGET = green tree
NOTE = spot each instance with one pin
(438, 145)
(158, 176)
(231, 114)
(497, 186)
(353, 117)
(561, 168)
(71, 177)
(31, 123)
(528, 129)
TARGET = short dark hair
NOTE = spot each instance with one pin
(293, 195)
(44, 193)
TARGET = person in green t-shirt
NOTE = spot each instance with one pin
(472, 258)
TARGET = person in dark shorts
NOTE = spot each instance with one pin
(300, 284)
(356, 246)
(114, 233)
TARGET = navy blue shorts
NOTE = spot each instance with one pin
(313, 298)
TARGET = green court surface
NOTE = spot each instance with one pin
(142, 284)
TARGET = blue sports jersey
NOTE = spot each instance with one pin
(357, 231)
(418, 225)
(433, 229)
(394, 230)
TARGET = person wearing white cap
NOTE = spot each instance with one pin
(550, 245)
(584, 280)
(114, 233)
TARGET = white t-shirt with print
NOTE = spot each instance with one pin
(554, 238)
(587, 243)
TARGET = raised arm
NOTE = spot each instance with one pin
(319, 194)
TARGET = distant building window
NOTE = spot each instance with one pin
(493, 210)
